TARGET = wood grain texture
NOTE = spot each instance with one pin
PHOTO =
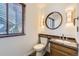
(58, 50)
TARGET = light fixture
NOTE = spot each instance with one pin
(70, 11)
(42, 22)
(69, 24)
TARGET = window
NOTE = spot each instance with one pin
(11, 19)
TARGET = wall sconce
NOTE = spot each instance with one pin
(76, 19)
(42, 22)
(70, 11)
(76, 22)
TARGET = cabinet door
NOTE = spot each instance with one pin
(56, 52)
(59, 50)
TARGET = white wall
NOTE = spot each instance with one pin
(63, 29)
(78, 22)
(22, 45)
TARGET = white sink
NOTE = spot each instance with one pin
(60, 41)
(68, 43)
(63, 41)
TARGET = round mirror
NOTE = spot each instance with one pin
(53, 20)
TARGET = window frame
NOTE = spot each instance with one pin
(14, 34)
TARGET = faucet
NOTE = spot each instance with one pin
(63, 36)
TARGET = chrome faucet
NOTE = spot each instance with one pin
(63, 36)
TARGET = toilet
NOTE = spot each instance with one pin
(40, 48)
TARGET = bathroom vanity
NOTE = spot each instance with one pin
(63, 48)
(59, 47)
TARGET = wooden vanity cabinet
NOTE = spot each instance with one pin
(57, 49)
(60, 50)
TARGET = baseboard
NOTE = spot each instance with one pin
(33, 53)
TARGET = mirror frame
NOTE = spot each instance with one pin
(51, 14)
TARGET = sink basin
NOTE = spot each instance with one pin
(60, 41)
(68, 43)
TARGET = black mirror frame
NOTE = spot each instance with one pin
(49, 15)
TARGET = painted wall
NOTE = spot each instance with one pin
(68, 31)
(22, 45)
(77, 23)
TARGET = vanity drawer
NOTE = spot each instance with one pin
(63, 49)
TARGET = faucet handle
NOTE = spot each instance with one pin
(66, 38)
